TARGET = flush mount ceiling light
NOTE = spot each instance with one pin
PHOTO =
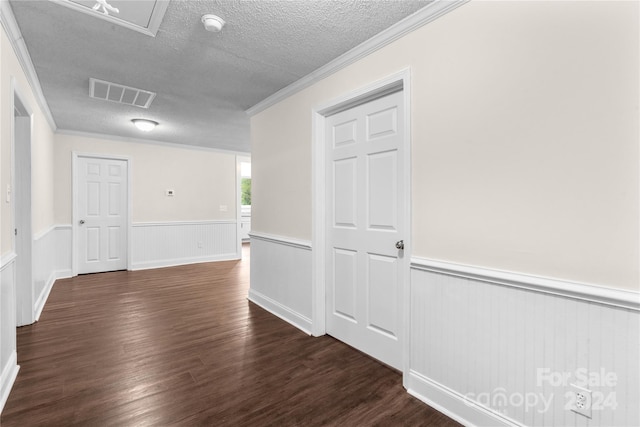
(144, 124)
(212, 23)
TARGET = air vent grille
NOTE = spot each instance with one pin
(107, 91)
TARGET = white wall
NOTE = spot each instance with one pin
(42, 196)
(525, 166)
(197, 224)
(202, 180)
(524, 140)
(41, 149)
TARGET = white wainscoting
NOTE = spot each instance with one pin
(51, 261)
(8, 355)
(281, 278)
(490, 347)
(166, 244)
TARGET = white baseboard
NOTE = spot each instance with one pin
(182, 261)
(44, 295)
(7, 378)
(454, 405)
(285, 313)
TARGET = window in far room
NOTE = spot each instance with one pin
(245, 188)
(245, 199)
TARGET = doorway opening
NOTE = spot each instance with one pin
(22, 222)
(244, 199)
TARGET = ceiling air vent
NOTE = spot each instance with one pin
(114, 92)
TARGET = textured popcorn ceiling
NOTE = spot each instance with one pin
(204, 81)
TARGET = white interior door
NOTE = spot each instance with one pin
(101, 214)
(365, 215)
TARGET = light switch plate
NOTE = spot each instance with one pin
(170, 193)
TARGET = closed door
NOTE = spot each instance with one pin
(101, 215)
(365, 203)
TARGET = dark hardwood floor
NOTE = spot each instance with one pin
(183, 346)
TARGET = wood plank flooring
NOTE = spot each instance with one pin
(183, 346)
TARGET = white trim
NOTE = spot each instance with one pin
(154, 22)
(7, 259)
(55, 272)
(42, 234)
(397, 81)
(44, 295)
(22, 53)
(24, 314)
(8, 378)
(74, 208)
(285, 313)
(239, 161)
(146, 141)
(420, 18)
(453, 404)
(296, 243)
(581, 291)
(172, 243)
(148, 265)
(174, 223)
(238, 179)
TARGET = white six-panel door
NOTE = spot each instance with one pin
(101, 215)
(365, 212)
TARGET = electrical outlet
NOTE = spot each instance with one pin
(199, 245)
(581, 400)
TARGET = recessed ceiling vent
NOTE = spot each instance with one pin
(99, 89)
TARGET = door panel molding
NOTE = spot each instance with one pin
(400, 80)
(75, 156)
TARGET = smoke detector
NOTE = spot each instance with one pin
(212, 23)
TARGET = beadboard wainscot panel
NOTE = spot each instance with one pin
(281, 278)
(167, 244)
(498, 348)
(8, 355)
(51, 261)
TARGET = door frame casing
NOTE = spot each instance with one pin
(400, 81)
(75, 155)
(239, 159)
(17, 92)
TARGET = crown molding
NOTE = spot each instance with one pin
(22, 53)
(104, 136)
(418, 19)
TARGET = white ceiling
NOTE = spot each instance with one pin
(204, 81)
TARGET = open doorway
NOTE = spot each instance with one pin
(22, 225)
(244, 208)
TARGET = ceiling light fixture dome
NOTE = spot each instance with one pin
(212, 23)
(144, 124)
